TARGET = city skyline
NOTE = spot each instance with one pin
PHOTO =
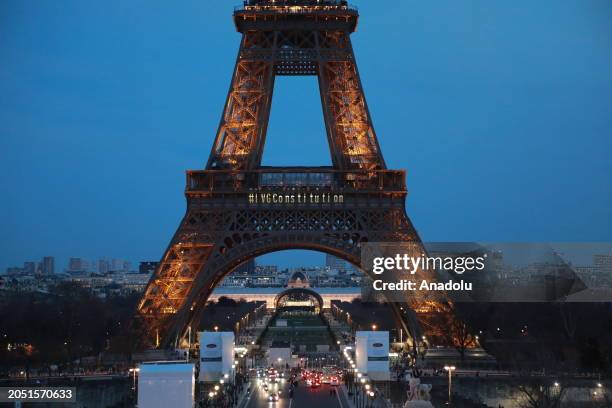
(104, 264)
(579, 255)
(96, 139)
(64, 264)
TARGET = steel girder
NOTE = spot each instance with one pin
(221, 230)
(263, 55)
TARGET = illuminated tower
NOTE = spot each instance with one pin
(232, 215)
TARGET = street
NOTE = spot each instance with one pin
(304, 397)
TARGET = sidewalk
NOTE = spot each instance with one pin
(347, 402)
(243, 398)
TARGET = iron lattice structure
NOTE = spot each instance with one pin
(228, 219)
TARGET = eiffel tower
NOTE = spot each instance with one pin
(238, 210)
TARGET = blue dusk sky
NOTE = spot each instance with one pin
(501, 112)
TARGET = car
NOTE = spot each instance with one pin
(334, 380)
(273, 397)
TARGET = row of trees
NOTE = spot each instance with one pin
(59, 327)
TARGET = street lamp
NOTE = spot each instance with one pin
(134, 371)
(374, 327)
(450, 370)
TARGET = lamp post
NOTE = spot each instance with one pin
(600, 391)
(363, 394)
(133, 371)
(354, 387)
(371, 394)
(450, 370)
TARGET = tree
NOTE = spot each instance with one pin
(455, 332)
(461, 337)
(538, 393)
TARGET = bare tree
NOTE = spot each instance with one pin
(539, 394)
(457, 333)
(462, 338)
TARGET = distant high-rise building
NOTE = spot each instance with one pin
(247, 268)
(103, 266)
(333, 262)
(120, 265)
(48, 265)
(29, 268)
(147, 266)
(76, 265)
